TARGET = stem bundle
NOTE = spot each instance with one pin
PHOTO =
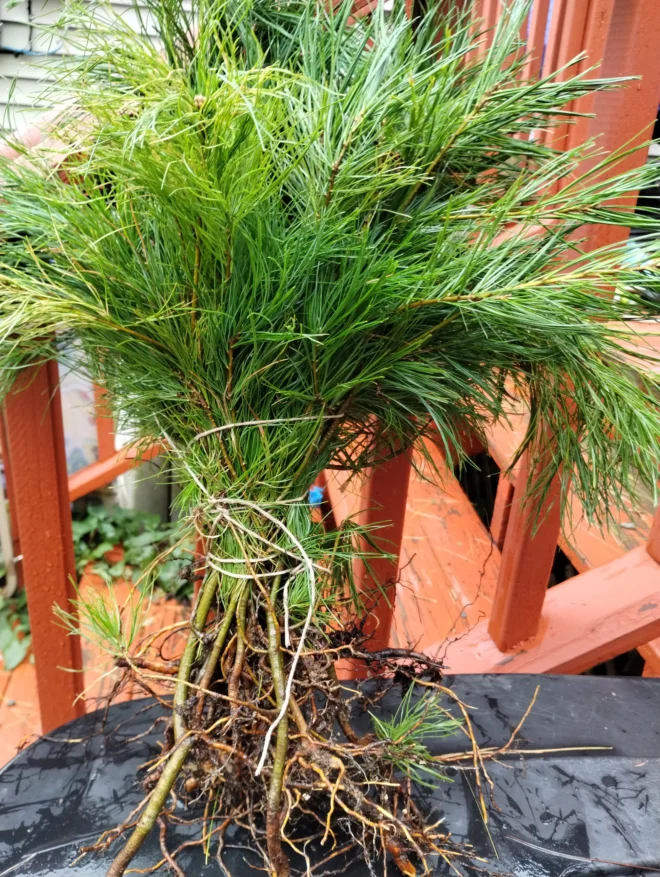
(320, 782)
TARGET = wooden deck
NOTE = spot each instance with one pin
(450, 563)
(19, 712)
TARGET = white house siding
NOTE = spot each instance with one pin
(27, 53)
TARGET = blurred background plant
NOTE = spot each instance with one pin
(142, 537)
(14, 627)
(114, 543)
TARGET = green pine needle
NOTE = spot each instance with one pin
(416, 721)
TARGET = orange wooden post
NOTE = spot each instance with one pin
(564, 34)
(105, 425)
(478, 9)
(527, 557)
(625, 117)
(576, 26)
(536, 38)
(596, 24)
(479, 14)
(384, 503)
(526, 535)
(42, 519)
(490, 13)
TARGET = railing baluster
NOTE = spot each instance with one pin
(536, 39)
(384, 501)
(527, 557)
(42, 519)
(502, 510)
(626, 116)
(105, 425)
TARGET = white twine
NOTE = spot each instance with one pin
(250, 576)
(263, 539)
(304, 559)
(307, 561)
(242, 560)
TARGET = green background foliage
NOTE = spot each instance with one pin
(143, 538)
(14, 629)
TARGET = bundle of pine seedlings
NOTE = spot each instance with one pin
(286, 240)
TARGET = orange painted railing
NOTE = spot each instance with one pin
(33, 449)
(623, 36)
(40, 494)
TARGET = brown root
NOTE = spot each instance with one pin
(320, 780)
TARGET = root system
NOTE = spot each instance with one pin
(320, 782)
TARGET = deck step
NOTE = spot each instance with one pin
(448, 565)
(585, 621)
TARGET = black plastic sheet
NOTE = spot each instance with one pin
(590, 812)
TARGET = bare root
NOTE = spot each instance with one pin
(321, 781)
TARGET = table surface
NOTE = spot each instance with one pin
(555, 813)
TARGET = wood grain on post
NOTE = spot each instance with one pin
(384, 506)
(577, 26)
(538, 21)
(625, 117)
(527, 558)
(501, 510)
(42, 519)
